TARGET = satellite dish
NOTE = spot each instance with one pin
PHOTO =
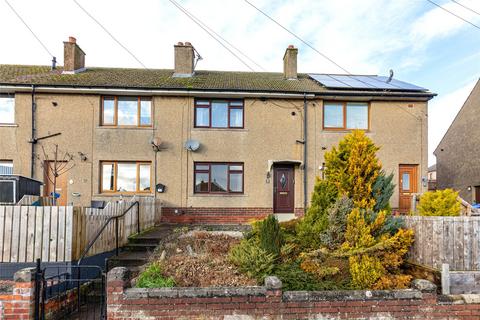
(192, 145)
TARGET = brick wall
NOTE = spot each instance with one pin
(217, 215)
(270, 302)
(17, 300)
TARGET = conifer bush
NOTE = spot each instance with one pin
(439, 203)
(252, 260)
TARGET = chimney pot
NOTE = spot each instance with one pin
(184, 60)
(290, 63)
(73, 57)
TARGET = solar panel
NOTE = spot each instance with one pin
(367, 82)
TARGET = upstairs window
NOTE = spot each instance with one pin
(345, 115)
(126, 112)
(6, 167)
(125, 177)
(218, 177)
(219, 114)
(7, 109)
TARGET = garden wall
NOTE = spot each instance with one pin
(270, 302)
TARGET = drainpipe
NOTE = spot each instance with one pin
(305, 151)
(34, 108)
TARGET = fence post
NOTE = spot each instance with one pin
(38, 279)
(445, 278)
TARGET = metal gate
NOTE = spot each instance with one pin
(69, 292)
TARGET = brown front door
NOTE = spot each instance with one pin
(408, 182)
(477, 194)
(60, 184)
(283, 189)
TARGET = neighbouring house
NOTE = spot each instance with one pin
(432, 177)
(458, 153)
(212, 146)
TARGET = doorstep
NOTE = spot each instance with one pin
(281, 217)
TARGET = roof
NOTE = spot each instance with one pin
(432, 168)
(95, 77)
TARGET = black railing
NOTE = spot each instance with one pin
(92, 242)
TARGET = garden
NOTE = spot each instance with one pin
(348, 238)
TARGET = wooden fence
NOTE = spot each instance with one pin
(57, 234)
(452, 240)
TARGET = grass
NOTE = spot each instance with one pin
(152, 278)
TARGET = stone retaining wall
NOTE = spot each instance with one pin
(270, 302)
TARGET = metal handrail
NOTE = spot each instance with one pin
(136, 203)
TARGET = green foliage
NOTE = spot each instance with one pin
(315, 222)
(439, 203)
(152, 278)
(365, 270)
(334, 236)
(270, 235)
(353, 168)
(252, 260)
(382, 191)
(294, 278)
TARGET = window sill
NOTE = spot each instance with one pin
(344, 130)
(214, 195)
(220, 129)
(8, 125)
(124, 195)
(125, 128)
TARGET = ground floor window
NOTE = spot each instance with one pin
(6, 167)
(218, 177)
(124, 177)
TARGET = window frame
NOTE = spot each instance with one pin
(208, 105)
(229, 172)
(344, 105)
(115, 177)
(115, 113)
(10, 96)
(9, 161)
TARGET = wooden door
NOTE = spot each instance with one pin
(283, 189)
(477, 194)
(408, 182)
(60, 184)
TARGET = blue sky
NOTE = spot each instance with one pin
(420, 42)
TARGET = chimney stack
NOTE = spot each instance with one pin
(184, 60)
(73, 57)
(290, 63)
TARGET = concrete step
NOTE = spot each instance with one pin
(140, 246)
(129, 259)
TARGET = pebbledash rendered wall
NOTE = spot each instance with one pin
(272, 130)
(271, 302)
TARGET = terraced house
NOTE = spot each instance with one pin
(212, 146)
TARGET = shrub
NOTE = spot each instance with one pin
(439, 203)
(152, 278)
(353, 168)
(270, 235)
(382, 191)
(365, 270)
(334, 236)
(315, 221)
(252, 260)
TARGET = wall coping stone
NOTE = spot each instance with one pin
(189, 292)
(344, 295)
(25, 275)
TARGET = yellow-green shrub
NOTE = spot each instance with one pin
(365, 271)
(252, 260)
(353, 168)
(439, 203)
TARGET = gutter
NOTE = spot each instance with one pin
(133, 91)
